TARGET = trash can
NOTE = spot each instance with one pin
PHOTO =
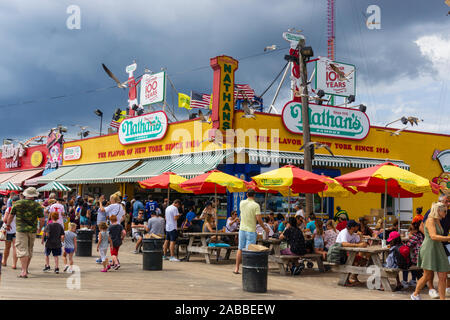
(84, 243)
(255, 265)
(152, 254)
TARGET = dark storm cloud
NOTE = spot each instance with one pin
(42, 58)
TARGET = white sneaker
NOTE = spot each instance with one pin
(433, 294)
(413, 297)
(173, 259)
(447, 292)
(405, 284)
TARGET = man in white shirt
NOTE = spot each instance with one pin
(171, 215)
(299, 210)
(348, 238)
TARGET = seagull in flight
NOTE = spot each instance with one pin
(270, 48)
(393, 133)
(405, 120)
(212, 140)
(342, 76)
(248, 112)
(204, 118)
(122, 85)
(317, 145)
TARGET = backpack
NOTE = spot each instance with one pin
(336, 255)
(401, 254)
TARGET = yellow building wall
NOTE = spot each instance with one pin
(266, 132)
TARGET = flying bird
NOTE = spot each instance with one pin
(414, 120)
(248, 112)
(317, 145)
(393, 133)
(342, 76)
(204, 118)
(212, 140)
(270, 48)
(112, 76)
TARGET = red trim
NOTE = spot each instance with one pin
(322, 135)
(422, 132)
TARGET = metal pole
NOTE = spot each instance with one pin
(279, 87)
(305, 121)
(101, 122)
(289, 202)
(215, 211)
(398, 227)
(265, 202)
(385, 208)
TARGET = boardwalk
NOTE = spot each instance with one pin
(182, 280)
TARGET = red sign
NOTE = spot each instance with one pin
(24, 162)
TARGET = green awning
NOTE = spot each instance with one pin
(52, 176)
(296, 158)
(97, 172)
(191, 165)
(147, 169)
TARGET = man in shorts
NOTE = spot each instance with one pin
(27, 212)
(137, 223)
(172, 214)
(250, 213)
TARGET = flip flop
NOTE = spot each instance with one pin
(21, 276)
(236, 272)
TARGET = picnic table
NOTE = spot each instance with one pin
(195, 246)
(283, 260)
(374, 252)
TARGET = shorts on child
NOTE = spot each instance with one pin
(103, 252)
(55, 251)
(115, 251)
(69, 250)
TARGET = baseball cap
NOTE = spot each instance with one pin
(352, 223)
(393, 235)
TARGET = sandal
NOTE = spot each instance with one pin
(21, 276)
(236, 272)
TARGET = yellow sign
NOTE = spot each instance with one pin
(223, 92)
(36, 158)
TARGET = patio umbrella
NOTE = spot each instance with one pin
(252, 185)
(388, 178)
(54, 186)
(335, 189)
(9, 186)
(214, 181)
(294, 179)
(167, 180)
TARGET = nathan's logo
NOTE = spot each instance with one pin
(272, 182)
(148, 127)
(327, 121)
(223, 92)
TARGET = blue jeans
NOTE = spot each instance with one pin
(246, 238)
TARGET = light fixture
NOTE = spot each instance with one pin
(99, 113)
(116, 114)
(320, 93)
(351, 98)
(362, 108)
(307, 52)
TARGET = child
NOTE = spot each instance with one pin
(395, 259)
(116, 234)
(102, 246)
(415, 242)
(54, 233)
(70, 246)
(330, 235)
(318, 239)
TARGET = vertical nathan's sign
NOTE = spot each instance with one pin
(223, 92)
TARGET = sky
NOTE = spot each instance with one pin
(50, 74)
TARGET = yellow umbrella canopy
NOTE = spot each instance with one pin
(214, 181)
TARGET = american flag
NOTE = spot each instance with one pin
(114, 124)
(243, 91)
(200, 100)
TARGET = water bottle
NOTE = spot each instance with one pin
(265, 235)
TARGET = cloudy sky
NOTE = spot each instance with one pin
(52, 75)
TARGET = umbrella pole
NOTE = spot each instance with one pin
(321, 207)
(398, 227)
(385, 208)
(265, 202)
(289, 202)
(168, 194)
(215, 211)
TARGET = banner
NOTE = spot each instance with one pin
(153, 87)
(184, 101)
(335, 78)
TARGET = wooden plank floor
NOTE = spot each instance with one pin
(177, 280)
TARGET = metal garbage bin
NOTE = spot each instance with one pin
(84, 243)
(152, 257)
(255, 266)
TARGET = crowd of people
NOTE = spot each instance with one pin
(57, 219)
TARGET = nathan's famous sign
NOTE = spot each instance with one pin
(327, 121)
(223, 92)
(148, 127)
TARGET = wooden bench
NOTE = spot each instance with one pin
(209, 251)
(283, 260)
(392, 272)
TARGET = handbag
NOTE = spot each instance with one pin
(3, 232)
